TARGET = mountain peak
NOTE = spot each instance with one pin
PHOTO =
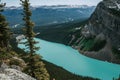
(114, 4)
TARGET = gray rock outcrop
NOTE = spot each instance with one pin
(7, 73)
(13, 74)
(106, 20)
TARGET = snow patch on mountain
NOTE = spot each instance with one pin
(52, 6)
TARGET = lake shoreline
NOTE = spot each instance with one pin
(60, 55)
(94, 55)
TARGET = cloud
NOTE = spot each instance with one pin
(54, 2)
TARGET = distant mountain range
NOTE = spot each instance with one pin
(51, 6)
(46, 15)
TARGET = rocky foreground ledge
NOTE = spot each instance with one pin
(12, 74)
(7, 73)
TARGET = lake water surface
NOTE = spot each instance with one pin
(71, 60)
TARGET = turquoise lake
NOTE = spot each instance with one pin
(71, 60)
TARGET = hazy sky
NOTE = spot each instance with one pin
(54, 2)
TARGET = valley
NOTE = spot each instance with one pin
(79, 42)
(73, 33)
(67, 58)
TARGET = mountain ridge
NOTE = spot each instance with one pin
(48, 15)
(99, 38)
(51, 6)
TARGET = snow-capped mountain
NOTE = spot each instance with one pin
(52, 6)
(45, 15)
(65, 6)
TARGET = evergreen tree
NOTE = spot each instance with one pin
(29, 33)
(4, 30)
(36, 67)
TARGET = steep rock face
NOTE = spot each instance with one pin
(106, 20)
(100, 37)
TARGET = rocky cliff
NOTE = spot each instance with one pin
(100, 37)
(106, 20)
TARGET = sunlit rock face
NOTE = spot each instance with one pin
(106, 20)
(13, 74)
